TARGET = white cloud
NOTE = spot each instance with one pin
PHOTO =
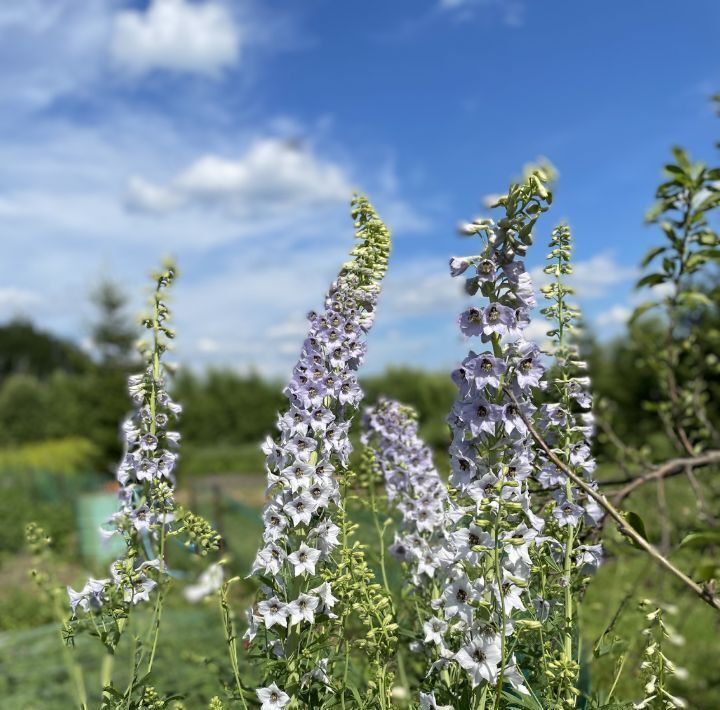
(422, 287)
(512, 12)
(273, 174)
(176, 35)
(50, 49)
(615, 315)
(592, 278)
(294, 327)
(17, 299)
(208, 346)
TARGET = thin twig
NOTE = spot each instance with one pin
(705, 593)
(674, 467)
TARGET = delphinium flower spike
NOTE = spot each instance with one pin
(656, 668)
(566, 421)
(148, 515)
(492, 528)
(294, 622)
(412, 484)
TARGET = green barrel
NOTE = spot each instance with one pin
(94, 510)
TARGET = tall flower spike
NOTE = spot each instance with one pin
(567, 423)
(492, 529)
(295, 564)
(148, 515)
(412, 483)
(145, 473)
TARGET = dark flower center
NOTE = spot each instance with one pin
(461, 595)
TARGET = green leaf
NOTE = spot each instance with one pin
(651, 280)
(682, 159)
(637, 524)
(708, 239)
(642, 308)
(700, 539)
(651, 255)
(694, 298)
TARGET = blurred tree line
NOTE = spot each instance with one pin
(50, 388)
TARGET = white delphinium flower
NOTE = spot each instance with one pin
(209, 582)
(303, 561)
(303, 609)
(480, 658)
(272, 698)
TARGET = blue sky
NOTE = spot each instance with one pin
(231, 135)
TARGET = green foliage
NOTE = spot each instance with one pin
(24, 349)
(223, 407)
(207, 459)
(684, 205)
(63, 457)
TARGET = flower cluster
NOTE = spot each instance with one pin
(145, 473)
(304, 462)
(656, 668)
(492, 529)
(567, 422)
(147, 517)
(412, 483)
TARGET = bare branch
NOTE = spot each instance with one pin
(671, 468)
(705, 593)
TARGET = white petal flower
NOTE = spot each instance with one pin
(272, 698)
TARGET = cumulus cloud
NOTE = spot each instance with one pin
(615, 315)
(176, 35)
(273, 174)
(594, 277)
